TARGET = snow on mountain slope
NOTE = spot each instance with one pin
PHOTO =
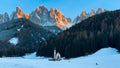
(14, 41)
(104, 58)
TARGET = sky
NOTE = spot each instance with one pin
(70, 8)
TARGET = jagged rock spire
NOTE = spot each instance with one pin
(19, 12)
(93, 12)
(85, 15)
(99, 11)
(44, 17)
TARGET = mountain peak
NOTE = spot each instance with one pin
(83, 13)
(4, 17)
(55, 12)
(41, 8)
(61, 20)
(18, 8)
(42, 16)
(52, 13)
(93, 12)
(100, 10)
(37, 9)
(19, 12)
(52, 17)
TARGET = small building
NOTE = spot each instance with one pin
(57, 56)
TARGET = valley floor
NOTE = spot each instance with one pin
(104, 58)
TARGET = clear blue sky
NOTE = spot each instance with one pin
(70, 8)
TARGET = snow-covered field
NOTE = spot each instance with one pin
(104, 58)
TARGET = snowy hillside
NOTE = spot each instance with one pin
(104, 58)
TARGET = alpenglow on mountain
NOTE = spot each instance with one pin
(44, 17)
(41, 16)
(18, 14)
(84, 15)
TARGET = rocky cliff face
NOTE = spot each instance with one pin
(52, 19)
(85, 15)
(18, 14)
(41, 16)
(93, 12)
(61, 21)
(4, 18)
(100, 10)
(44, 17)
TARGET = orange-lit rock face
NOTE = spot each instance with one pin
(61, 21)
(44, 17)
(27, 16)
(21, 14)
(52, 13)
(84, 13)
(37, 9)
